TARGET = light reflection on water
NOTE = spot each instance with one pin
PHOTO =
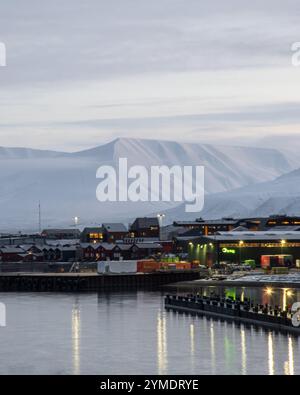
(162, 356)
(271, 354)
(132, 333)
(76, 337)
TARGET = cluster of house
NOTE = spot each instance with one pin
(111, 241)
(202, 240)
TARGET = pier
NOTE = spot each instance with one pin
(83, 282)
(261, 315)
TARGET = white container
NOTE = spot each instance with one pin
(117, 267)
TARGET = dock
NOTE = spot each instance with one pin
(87, 282)
(243, 312)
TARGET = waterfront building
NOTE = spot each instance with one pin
(120, 251)
(211, 226)
(237, 247)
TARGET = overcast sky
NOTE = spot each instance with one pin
(80, 73)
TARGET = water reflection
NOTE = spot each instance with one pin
(242, 295)
(289, 365)
(243, 351)
(162, 356)
(270, 354)
(76, 338)
(271, 295)
(212, 348)
(192, 339)
(86, 334)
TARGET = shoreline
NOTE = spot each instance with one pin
(196, 284)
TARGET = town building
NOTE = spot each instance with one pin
(145, 227)
(237, 247)
(11, 254)
(211, 226)
(121, 251)
(57, 234)
(92, 235)
(113, 232)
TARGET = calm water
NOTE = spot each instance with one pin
(131, 333)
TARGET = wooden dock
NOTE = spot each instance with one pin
(84, 282)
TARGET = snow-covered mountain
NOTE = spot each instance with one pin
(65, 183)
(280, 196)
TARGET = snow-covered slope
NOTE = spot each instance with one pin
(280, 196)
(65, 183)
(225, 167)
(26, 153)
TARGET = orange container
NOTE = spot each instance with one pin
(148, 266)
(183, 266)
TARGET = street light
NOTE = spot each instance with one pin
(241, 243)
(76, 220)
(269, 291)
(282, 243)
(160, 218)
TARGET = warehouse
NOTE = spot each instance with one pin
(237, 247)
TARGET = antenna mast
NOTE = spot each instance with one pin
(40, 218)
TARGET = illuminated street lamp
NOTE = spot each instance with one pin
(282, 244)
(287, 293)
(241, 243)
(269, 291)
(160, 218)
(76, 220)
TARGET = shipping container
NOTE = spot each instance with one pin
(182, 265)
(148, 266)
(270, 261)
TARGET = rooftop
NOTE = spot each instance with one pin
(115, 227)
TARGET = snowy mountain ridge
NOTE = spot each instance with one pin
(65, 183)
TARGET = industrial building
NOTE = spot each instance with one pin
(237, 247)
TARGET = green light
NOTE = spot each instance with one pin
(228, 251)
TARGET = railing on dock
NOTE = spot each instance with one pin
(232, 309)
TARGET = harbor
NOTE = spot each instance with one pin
(131, 331)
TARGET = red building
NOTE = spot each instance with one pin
(11, 254)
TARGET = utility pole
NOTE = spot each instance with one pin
(40, 218)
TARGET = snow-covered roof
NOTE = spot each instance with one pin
(259, 235)
(115, 227)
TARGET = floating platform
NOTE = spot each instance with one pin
(83, 282)
(233, 311)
